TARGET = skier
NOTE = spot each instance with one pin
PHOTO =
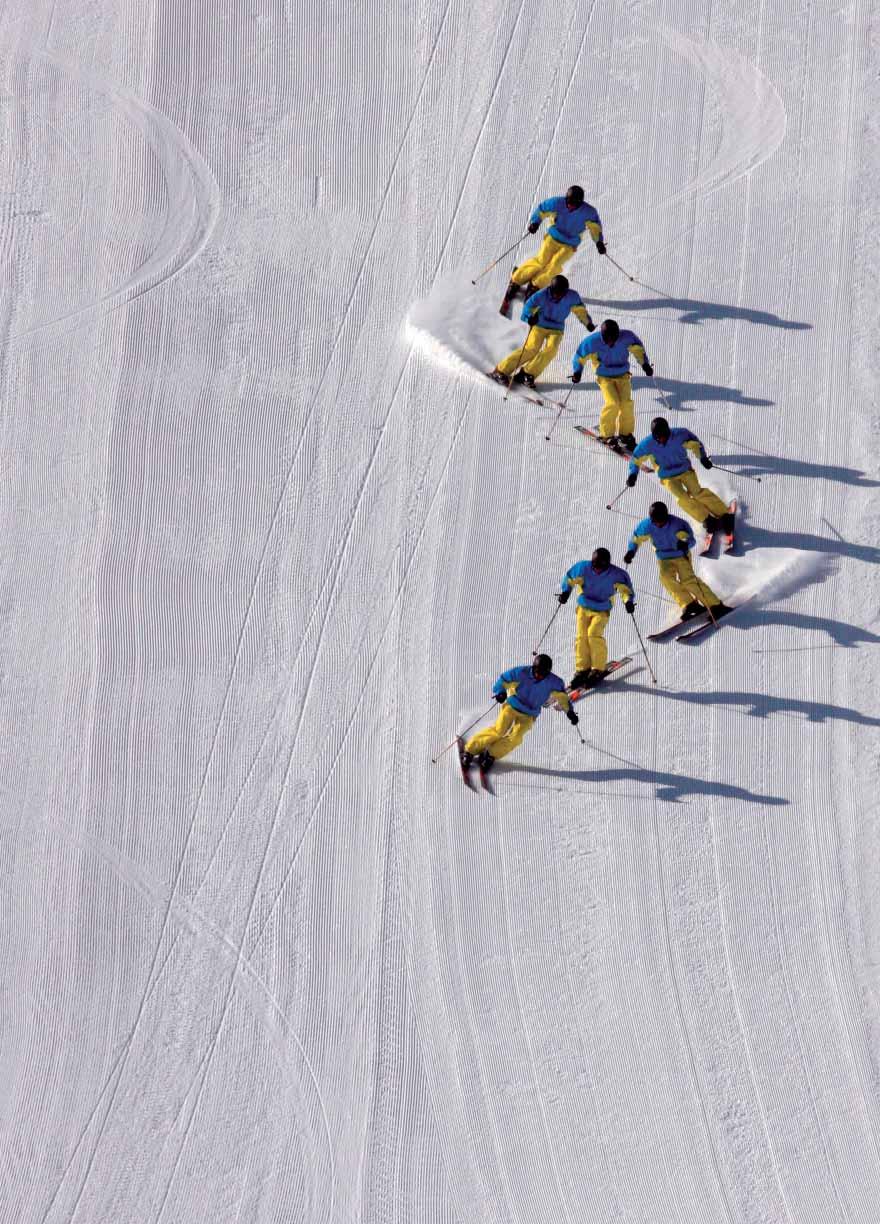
(545, 312)
(610, 351)
(599, 582)
(673, 539)
(571, 216)
(521, 692)
(668, 450)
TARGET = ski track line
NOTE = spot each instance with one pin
(204, 1066)
(831, 858)
(376, 653)
(190, 186)
(268, 539)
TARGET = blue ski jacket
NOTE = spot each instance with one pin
(666, 539)
(598, 590)
(540, 310)
(609, 360)
(568, 223)
(528, 695)
(669, 458)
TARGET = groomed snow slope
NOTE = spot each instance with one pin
(268, 539)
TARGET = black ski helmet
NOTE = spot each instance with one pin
(574, 196)
(658, 513)
(601, 559)
(542, 666)
(558, 287)
(660, 429)
(610, 331)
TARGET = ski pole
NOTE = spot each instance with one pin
(558, 414)
(577, 728)
(617, 498)
(644, 652)
(547, 630)
(619, 269)
(479, 718)
(745, 475)
(498, 260)
(519, 359)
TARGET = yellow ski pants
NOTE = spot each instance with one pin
(589, 643)
(551, 259)
(692, 497)
(618, 415)
(677, 575)
(509, 731)
(535, 355)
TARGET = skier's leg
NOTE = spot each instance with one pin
(489, 735)
(695, 587)
(710, 501)
(552, 341)
(596, 639)
(525, 353)
(518, 726)
(626, 413)
(608, 415)
(533, 267)
(559, 257)
(678, 486)
(668, 568)
(581, 640)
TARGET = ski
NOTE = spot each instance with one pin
(465, 773)
(677, 627)
(613, 671)
(586, 432)
(709, 626)
(485, 782)
(729, 541)
(519, 392)
(706, 546)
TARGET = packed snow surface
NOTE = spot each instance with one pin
(269, 537)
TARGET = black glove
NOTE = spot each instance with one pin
(649, 369)
(600, 247)
(534, 317)
(590, 325)
(631, 479)
(572, 717)
(629, 556)
(534, 226)
(564, 596)
(577, 376)
(630, 606)
(500, 697)
(683, 547)
(706, 461)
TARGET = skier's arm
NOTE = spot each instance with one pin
(624, 590)
(637, 350)
(547, 208)
(595, 228)
(634, 541)
(561, 699)
(506, 683)
(531, 308)
(686, 537)
(581, 312)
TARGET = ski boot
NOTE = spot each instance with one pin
(579, 679)
(720, 609)
(711, 524)
(467, 759)
(522, 378)
(627, 441)
(694, 608)
(595, 676)
(728, 522)
(485, 760)
(497, 376)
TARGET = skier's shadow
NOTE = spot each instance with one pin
(753, 464)
(749, 537)
(840, 632)
(695, 311)
(678, 393)
(763, 705)
(670, 788)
